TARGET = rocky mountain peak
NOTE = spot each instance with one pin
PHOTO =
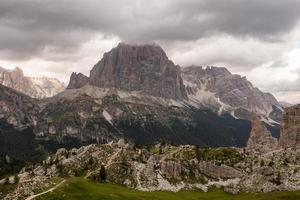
(260, 140)
(77, 80)
(37, 87)
(231, 93)
(144, 68)
(18, 71)
(209, 70)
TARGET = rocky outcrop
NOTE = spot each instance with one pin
(217, 88)
(41, 87)
(260, 140)
(215, 171)
(77, 80)
(290, 128)
(139, 68)
(167, 167)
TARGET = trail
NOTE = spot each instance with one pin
(45, 192)
(109, 162)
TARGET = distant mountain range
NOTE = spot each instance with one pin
(36, 87)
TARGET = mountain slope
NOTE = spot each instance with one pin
(35, 87)
(18, 116)
(92, 113)
(218, 89)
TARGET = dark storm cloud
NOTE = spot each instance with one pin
(29, 28)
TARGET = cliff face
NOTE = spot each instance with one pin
(77, 81)
(41, 87)
(139, 68)
(260, 140)
(290, 128)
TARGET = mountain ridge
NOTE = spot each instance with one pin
(36, 87)
(126, 66)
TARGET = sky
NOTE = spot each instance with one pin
(259, 39)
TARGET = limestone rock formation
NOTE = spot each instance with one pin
(37, 87)
(77, 80)
(260, 140)
(139, 68)
(217, 88)
(44, 87)
(290, 128)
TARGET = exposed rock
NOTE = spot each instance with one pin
(260, 140)
(32, 86)
(139, 68)
(77, 80)
(266, 171)
(215, 171)
(170, 168)
(46, 87)
(290, 128)
(217, 88)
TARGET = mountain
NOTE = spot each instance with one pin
(136, 92)
(32, 86)
(46, 87)
(169, 119)
(219, 90)
(146, 69)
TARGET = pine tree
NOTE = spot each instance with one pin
(6, 181)
(16, 178)
(103, 174)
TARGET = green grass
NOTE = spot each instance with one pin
(78, 188)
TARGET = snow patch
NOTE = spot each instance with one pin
(269, 121)
(223, 106)
(107, 116)
(203, 96)
(233, 115)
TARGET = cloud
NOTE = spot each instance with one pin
(29, 27)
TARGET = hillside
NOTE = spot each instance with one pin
(82, 189)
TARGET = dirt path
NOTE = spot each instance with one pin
(113, 157)
(109, 162)
(45, 192)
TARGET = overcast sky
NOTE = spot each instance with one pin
(259, 39)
